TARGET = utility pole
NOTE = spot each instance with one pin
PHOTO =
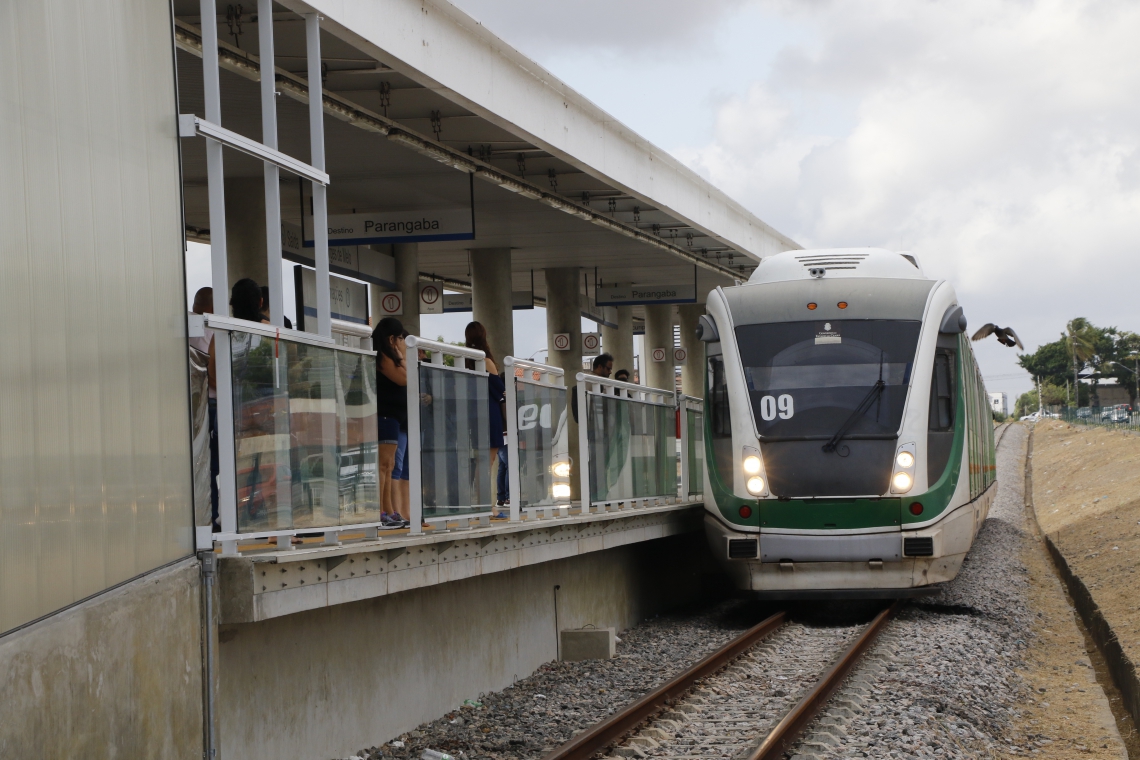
(1040, 403)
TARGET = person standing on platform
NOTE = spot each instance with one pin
(204, 304)
(391, 410)
(265, 308)
(476, 337)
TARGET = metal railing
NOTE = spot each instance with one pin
(627, 444)
(1117, 416)
(538, 455)
(298, 441)
(449, 417)
(691, 421)
(297, 436)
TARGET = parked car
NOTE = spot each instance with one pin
(1084, 413)
(1030, 417)
(1120, 413)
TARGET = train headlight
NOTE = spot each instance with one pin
(752, 465)
(902, 479)
(755, 485)
(561, 469)
(561, 491)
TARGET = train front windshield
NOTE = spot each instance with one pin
(806, 380)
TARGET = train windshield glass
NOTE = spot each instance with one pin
(805, 379)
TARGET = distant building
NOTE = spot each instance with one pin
(999, 403)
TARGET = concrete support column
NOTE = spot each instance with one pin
(658, 334)
(245, 234)
(564, 315)
(693, 370)
(618, 341)
(407, 257)
(375, 292)
(491, 299)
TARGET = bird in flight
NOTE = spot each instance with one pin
(1005, 335)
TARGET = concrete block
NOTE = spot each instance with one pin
(588, 644)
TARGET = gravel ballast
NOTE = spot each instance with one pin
(545, 709)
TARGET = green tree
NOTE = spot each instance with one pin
(1050, 362)
(1081, 342)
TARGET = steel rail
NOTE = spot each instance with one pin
(621, 723)
(788, 730)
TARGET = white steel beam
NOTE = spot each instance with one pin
(317, 148)
(269, 138)
(190, 125)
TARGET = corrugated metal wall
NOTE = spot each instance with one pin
(95, 483)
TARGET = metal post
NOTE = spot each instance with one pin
(583, 444)
(317, 159)
(271, 172)
(215, 176)
(227, 475)
(683, 418)
(415, 478)
(514, 476)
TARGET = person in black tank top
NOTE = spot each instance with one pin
(392, 414)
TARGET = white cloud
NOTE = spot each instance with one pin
(997, 140)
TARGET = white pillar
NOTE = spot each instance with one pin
(491, 299)
(693, 369)
(618, 341)
(658, 334)
(407, 257)
(564, 315)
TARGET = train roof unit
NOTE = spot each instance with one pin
(837, 262)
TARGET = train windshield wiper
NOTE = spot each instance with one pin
(872, 395)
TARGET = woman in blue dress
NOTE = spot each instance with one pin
(476, 337)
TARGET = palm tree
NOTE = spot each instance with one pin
(1080, 340)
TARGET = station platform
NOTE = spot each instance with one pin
(260, 586)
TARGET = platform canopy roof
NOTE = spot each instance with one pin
(425, 108)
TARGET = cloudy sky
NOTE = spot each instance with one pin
(996, 140)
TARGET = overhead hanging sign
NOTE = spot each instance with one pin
(419, 226)
(456, 302)
(348, 299)
(358, 262)
(628, 295)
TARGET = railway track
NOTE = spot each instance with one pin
(751, 699)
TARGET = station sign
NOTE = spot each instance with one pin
(457, 302)
(591, 344)
(348, 300)
(453, 302)
(561, 342)
(658, 354)
(357, 262)
(628, 295)
(416, 226)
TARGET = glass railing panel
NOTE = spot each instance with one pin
(305, 435)
(544, 459)
(455, 463)
(632, 449)
(695, 422)
(357, 435)
(309, 494)
(200, 435)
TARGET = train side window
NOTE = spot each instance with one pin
(720, 420)
(942, 392)
(940, 436)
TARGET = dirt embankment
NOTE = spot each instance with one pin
(1086, 490)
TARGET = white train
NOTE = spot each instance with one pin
(849, 441)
